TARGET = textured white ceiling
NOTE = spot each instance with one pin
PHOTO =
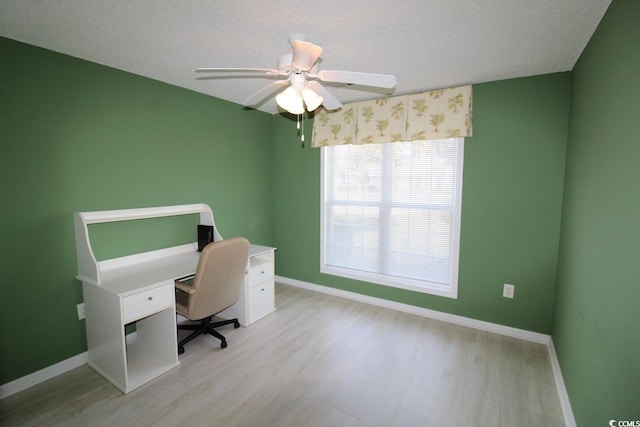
(426, 44)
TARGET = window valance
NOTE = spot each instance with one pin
(436, 114)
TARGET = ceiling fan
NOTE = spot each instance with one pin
(298, 74)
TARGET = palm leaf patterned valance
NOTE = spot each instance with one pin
(437, 114)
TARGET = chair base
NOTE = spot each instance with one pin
(206, 327)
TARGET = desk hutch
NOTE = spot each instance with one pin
(139, 289)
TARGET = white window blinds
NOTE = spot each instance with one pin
(391, 213)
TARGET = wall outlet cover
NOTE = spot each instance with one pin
(80, 308)
(508, 291)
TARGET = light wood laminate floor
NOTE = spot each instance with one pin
(318, 360)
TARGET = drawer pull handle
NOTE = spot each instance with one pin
(150, 298)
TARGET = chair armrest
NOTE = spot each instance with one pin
(187, 289)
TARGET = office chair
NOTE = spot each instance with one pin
(214, 287)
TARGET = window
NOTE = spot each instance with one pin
(391, 213)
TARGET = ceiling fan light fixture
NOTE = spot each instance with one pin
(300, 69)
(311, 99)
(290, 100)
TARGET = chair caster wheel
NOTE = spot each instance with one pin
(180, 350)
(223, 344)
(236, 324)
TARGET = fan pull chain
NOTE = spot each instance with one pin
(300, 126)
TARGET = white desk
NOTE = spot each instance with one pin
(140, 288)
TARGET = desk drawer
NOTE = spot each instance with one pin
(141, 304)
(260, 273)
(261, 300)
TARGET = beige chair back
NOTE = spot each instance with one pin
(219, 276)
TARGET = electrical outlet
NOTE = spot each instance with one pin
(80, 308)
(508, 290)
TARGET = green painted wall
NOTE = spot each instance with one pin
(76, 136)
(512, 200)
(597, 315)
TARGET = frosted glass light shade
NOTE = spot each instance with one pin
(311, 99)
(290, 100)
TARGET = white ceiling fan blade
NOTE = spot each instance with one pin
(240, 70)
(329, 102)
(385, 81)
(305, 54)
(265, 92)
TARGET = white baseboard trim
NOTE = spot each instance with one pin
(424, 312)
(565, 403)
(42, 375)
